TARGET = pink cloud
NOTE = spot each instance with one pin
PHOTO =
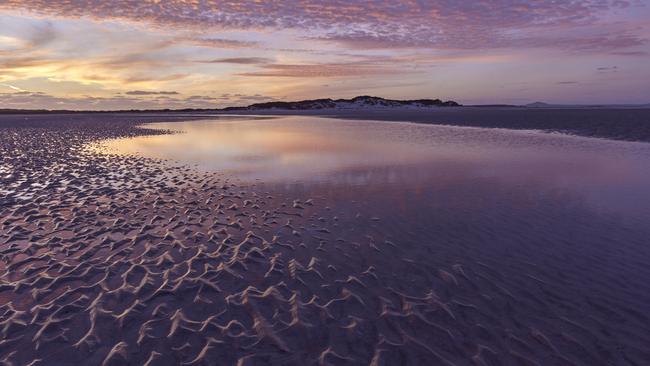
(322, 70)
(449, 24)
(139, 100)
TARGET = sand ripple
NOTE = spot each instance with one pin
(112, 260)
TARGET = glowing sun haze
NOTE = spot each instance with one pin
(174, 54)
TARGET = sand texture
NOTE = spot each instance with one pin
(122, 260)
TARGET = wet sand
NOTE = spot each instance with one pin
(631, 124)
(113, 259)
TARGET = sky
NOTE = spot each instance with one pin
(97, 54)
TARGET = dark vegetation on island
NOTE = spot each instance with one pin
(361, 101)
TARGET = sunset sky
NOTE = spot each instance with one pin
(173, 54)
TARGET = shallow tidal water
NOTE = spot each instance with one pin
(316, 241)
(541, 240)
(302, 152)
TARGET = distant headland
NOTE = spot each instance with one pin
(361, 102)
(364, 101)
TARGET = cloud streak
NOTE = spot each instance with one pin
(40, 100)
(323, 70)
(221, 43)
(143, 92)
(241, 60)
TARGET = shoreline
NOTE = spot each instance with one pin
(622, 124)
(111, 259)
(608, 123)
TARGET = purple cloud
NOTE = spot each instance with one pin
(630, 53)
(323, 70)
(241, 60)
(221, 43)
(448, 24)
(144, 92)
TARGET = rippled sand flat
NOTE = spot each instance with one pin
(122, 259)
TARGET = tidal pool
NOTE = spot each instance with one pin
(510, 246)
(312, 151)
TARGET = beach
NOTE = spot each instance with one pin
(622, 123)
(142, 258)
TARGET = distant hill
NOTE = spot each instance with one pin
(591, 106)
(354, 103)
(538, 105)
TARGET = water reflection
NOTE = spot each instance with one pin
(404, 156)
(517, 234)
(274, 150)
